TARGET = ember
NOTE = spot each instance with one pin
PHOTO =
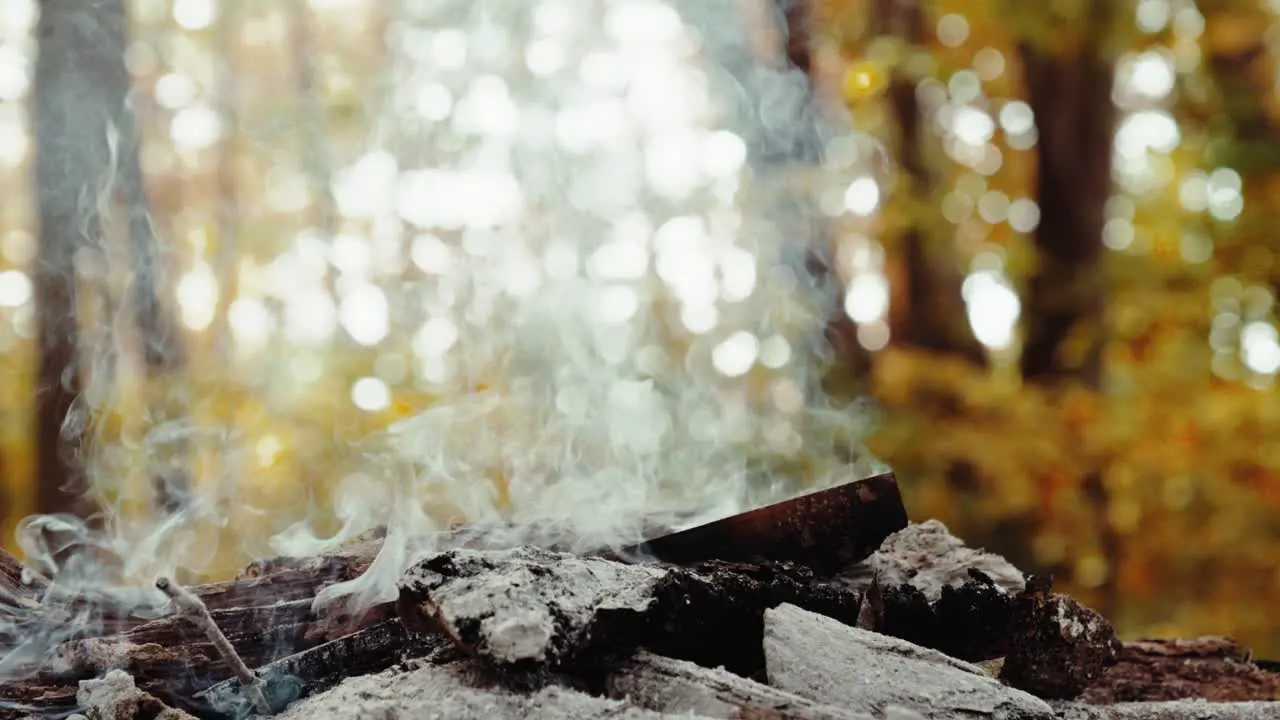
(738, 629)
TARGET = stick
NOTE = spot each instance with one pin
(364, 652)
(194, 609)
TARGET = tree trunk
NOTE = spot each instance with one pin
(1064, 305)
(72, 159)
(86, 161)
(1070, 96)
(934, 318)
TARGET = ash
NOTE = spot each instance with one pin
(928, 557)
(457, 690)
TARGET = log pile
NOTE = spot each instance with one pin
(726, 621)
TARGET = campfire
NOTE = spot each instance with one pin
(630, 496)
(827, 605)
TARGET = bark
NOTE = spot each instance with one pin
(1070, 95)
(529, 617)
(86, 163)
(72, 94)
(934, 318)
(1065, 302)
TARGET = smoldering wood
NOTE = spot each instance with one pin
(371, 650)
(825, 530)
(467, 601)
(677, 686)
(1057, 647)
(709, 613)
(530, 613)
(190, 607)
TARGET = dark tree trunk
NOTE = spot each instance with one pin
(850, 360)
(934, 318)
(86, 161)
(72, 161)
(1065, 302)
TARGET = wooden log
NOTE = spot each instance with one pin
(827, 662)
(1171, 710)
(1213, 668)
(529, 613)
(19, 585)
(677, 687)
(940, 594)
(366, 651)
(824, 530)
(1057, 647)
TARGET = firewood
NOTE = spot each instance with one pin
(19, 585)
(677, 686)
(366, 651)
(824, 530)
(1057, 646)
(1171, 710)
(1212, 668)
(192, 608)
(530, 612)
(936, 592)
(828, 662)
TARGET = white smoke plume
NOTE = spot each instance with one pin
(605, 209)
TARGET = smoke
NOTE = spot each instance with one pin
(604, 207)
(609, 219)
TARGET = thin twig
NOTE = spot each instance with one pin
(194, 609)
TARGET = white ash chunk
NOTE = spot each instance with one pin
(456, 690)
(526, 604)
(826, 661)
(678, 686)
(928, 557)
(115, 697)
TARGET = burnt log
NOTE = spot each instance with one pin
(825, 661)
(824, 530)
(1057, 647)
(532, 613)
(364, 652)
(1160, 670)
(940, 594)
(680, 687)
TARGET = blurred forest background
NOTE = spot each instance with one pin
(1061, 285)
